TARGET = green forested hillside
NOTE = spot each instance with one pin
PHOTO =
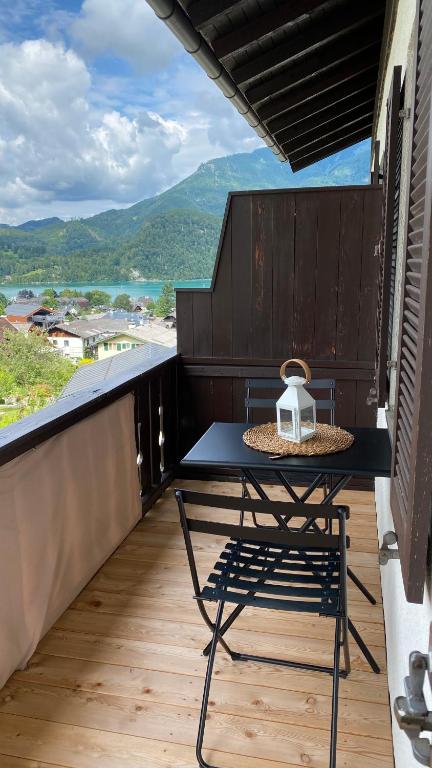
(172, 235)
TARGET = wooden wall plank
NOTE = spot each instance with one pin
(369, 277)
(283, 270)
(222, 300)
(241, 216)
(202, 324)
(262, 275)
(305, 274)
(185, 324)
(351, 245)
(327, 270)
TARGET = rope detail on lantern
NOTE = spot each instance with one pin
(327, 439)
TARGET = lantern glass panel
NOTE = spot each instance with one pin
(307, 422)
(286, 425)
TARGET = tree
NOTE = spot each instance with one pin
(98, 298)
(166, 301)
(123, 301)
(51, 296)
(3, 303)
(31, 362)
(25, 293)
(70, 293)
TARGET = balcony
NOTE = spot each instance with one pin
(102, 663)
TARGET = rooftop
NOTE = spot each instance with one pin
(91, 375)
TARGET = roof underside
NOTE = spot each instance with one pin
(308, 68)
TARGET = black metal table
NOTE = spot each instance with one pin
(222, 447)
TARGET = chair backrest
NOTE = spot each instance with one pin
(282, 511)
(251, 402)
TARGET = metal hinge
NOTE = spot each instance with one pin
(385, 553)
(411, 711)
(372, 396)
(391, 364)
(405, 113)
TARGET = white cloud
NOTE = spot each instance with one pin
(128, 29)
(63, 154)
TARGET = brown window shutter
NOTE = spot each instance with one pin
(411, 485)
(389, 211)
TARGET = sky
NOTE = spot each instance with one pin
(100, 107)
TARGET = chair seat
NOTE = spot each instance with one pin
(266, 576)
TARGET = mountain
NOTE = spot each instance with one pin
(30, 226)
(173, 234)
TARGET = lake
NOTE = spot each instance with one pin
(151, 288)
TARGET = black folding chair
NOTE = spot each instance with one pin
(276, 569)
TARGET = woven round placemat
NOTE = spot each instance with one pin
(328, 439)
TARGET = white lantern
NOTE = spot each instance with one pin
(296, 412)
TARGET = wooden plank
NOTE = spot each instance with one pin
(262, 276)
(185, 322)
(202, 323)
(283, 271)
(272, 622)
(369, 275)
(335, 25)
(221, 300)
(222, 400)
(83, 747)
(305, 274)
(327, 267)
(241, 296)
(169, 725)
(179, 690)
(351, 233)
(345, 403)
(261, 25)
(326, 149)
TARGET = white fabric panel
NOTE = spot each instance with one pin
(64, 508)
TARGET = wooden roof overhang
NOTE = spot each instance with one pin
(308, 69)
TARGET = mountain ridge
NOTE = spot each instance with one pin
(173, 234)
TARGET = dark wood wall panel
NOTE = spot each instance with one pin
(296, 275)
(283, 270)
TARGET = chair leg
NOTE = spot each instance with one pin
(335, 694)
(363, 647)
(207, 684)
(211, 626)
(359, 584)
(345, 643)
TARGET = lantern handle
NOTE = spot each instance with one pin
(301, 363)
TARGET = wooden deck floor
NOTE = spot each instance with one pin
(117, 682)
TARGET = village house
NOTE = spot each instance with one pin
(23, 312)
(118, 342)
(74, 340)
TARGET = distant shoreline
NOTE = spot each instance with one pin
(134, 288)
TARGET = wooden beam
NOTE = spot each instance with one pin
(202, 12)
(356, 101)
(330, 149)
(334, 25)
(338, 123)
(366, 80)
(262, 25)
(343, 127)
(351, 56)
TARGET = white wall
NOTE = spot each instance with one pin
(407, 624)
(74, 349)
